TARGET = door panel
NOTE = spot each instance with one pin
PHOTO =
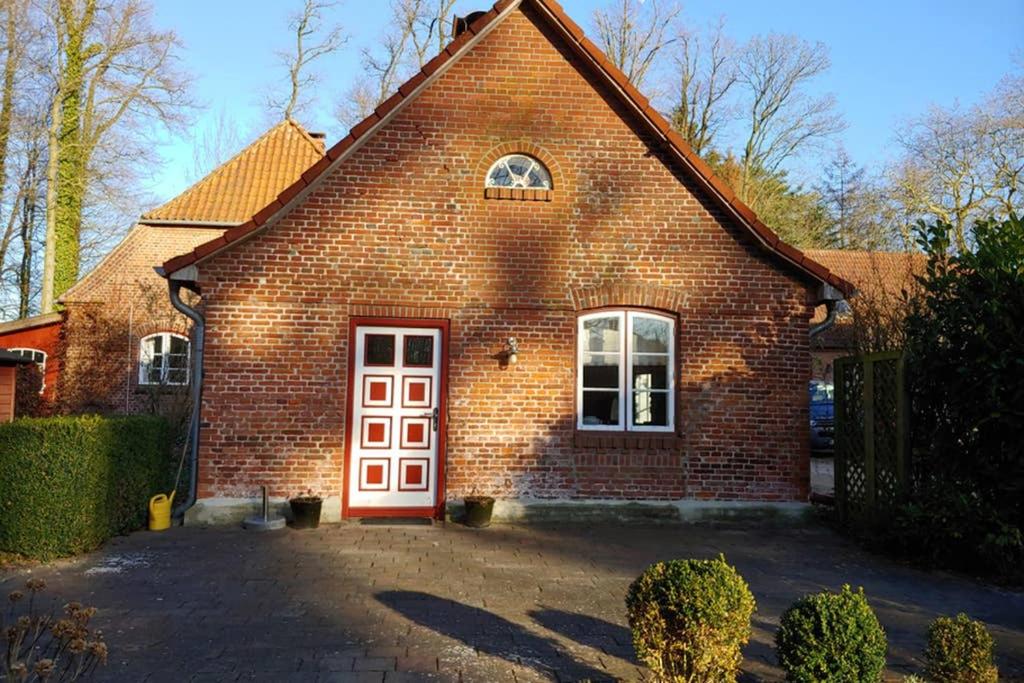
(396, 422)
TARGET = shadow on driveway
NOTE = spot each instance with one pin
(490, 634)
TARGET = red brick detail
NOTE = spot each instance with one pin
(628, 294)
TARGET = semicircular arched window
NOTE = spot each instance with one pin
(519, 171)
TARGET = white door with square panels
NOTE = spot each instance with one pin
(393, 453)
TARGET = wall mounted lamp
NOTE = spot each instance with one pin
(512, 351)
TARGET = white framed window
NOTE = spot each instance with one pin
(164, 359)
(625, 375)
(519, 171)
(39, 357)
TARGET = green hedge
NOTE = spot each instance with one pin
(67, 484)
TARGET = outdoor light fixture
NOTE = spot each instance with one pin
(512, 351)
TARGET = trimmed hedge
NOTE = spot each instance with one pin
(690, 619)
(831, 637)
(960, 651)
(67, 484)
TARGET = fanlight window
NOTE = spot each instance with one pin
(519, 171)
(164, 359)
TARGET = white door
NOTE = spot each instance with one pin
(393, 451)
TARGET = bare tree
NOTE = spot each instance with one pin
(961, 166)
(313, 40)
(633, 33)
(419, 30)
(855, 204)
(782, 118)
(704, 73)
(214, 144)
(113, 78)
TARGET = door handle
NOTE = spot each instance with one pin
(433, 415)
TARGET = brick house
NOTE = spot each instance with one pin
(881, 278)
(511, 279)
(118, 345)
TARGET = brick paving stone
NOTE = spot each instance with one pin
(509, 603)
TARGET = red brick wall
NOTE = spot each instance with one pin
(402, 228)
(109, 312)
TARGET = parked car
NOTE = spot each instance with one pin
(823, 422)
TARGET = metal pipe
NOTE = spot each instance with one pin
(198, 338)
(832, 306)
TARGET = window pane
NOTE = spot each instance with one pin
(600, 371)
(650, 409)
(650, 335)
(650, 371)
(153, 372)
(600, 408)
(419, 351)
(156, 344)
(177, 376)
(601, 334)
(380, 349)
(179, 345)
(177, 360)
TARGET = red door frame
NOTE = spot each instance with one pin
(437, 511)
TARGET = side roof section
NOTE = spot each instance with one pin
(599, 64)
(245, 183)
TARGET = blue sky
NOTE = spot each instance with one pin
(891, 59)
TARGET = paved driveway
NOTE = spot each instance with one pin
(373, 603)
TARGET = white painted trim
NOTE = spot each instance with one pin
(141, 371)
(625, 391)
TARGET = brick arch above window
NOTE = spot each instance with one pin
(638, 294)
(528, 149)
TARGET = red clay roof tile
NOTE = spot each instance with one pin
(247, 182)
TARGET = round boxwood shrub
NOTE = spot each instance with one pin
(831, 637)
(690, 618)
(960, 651)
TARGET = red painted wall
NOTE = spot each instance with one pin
(45, 338)
(402, 229)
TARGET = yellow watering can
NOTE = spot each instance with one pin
(160, 512)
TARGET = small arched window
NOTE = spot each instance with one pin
(164, 359)
(626, 371)
(519, 171)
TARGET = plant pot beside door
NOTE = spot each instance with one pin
(478, 511)
(306, 511)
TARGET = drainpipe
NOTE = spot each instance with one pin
(831, 297)
(199, 333)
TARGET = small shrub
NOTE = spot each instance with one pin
(960, 651)
(831, 637)
(690, 618)
(70, 483)
(39, 646)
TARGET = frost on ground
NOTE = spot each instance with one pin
(115, 564)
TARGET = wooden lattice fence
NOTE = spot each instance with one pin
(871, 412)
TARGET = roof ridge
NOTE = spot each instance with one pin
(577, 39)
(318, 146)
